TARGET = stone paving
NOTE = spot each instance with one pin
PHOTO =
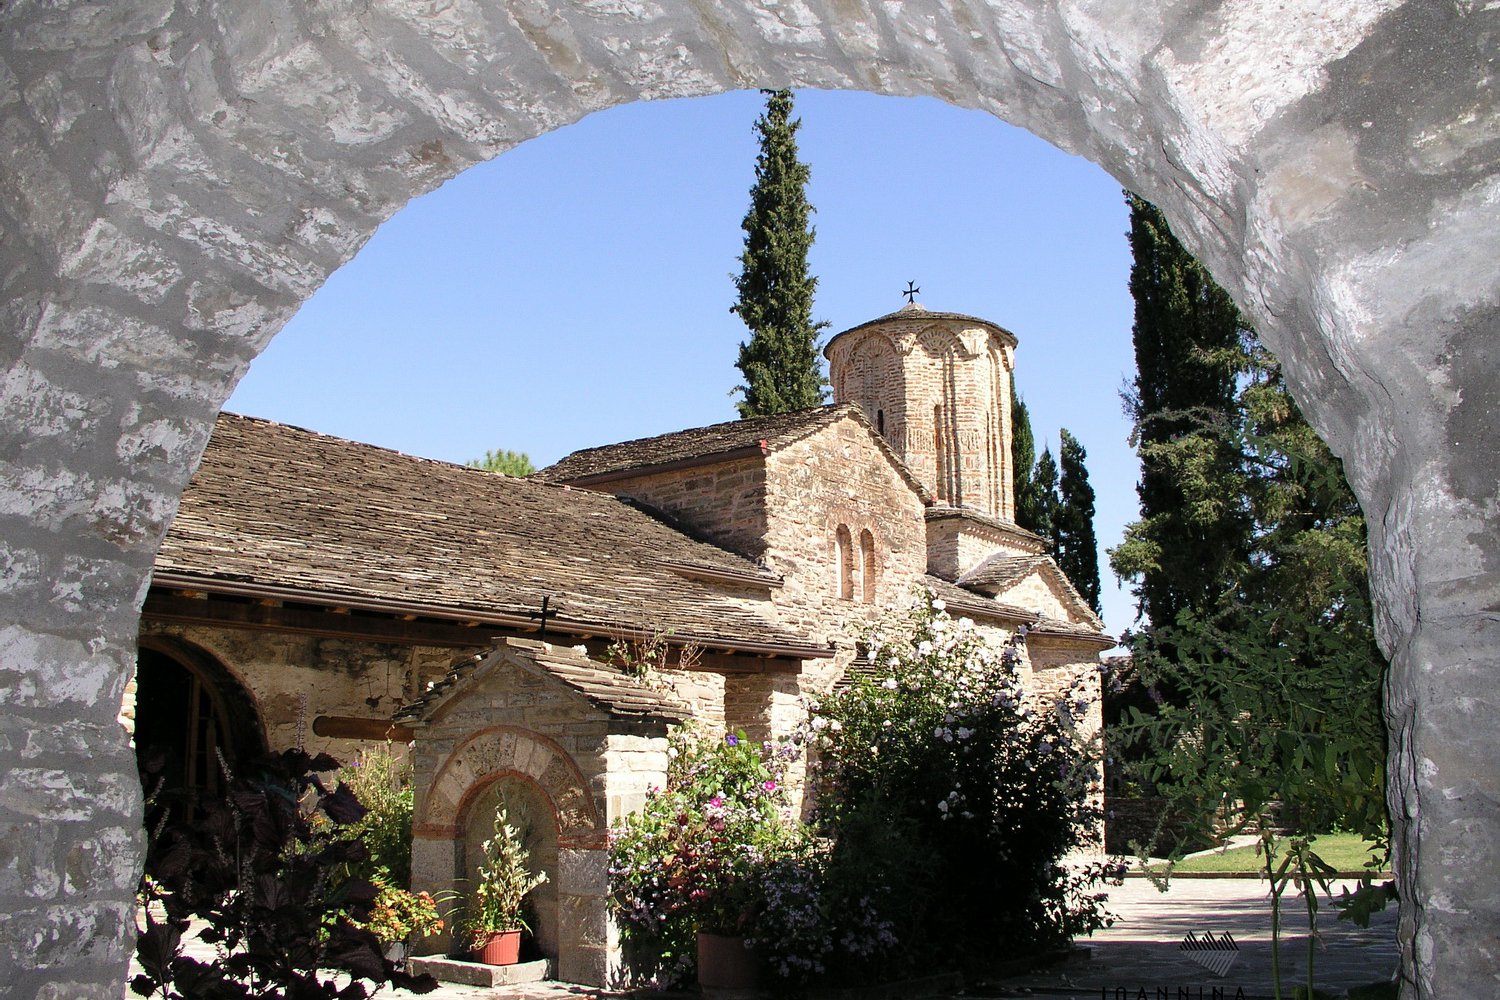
(1138, 958)
(1141, 952)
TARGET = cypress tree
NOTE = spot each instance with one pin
(780, 362)
(1023, 461)
(1044, 490)
(1192, 542)
(1076, 548)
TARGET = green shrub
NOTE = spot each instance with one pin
(381, 780)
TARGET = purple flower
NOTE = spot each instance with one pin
(732, 740)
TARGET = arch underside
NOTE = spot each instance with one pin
(176, 179)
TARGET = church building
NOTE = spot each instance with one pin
(320, 592)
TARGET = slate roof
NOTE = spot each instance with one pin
(1073, 630)
(918, 312)
(1001, 571)
(714, 444)
(719, 442)
(1011, 528)
(608, 690)
(963, 603)
(349, 523)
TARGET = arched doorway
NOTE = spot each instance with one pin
(193, 719)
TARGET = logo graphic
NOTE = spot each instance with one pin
(1216, 954)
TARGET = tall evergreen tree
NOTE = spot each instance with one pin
(1029, 510)
(1192, 541)
(780, 362)
(1044, 490)
(1074, 543)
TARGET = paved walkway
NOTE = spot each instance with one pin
(1140, 952)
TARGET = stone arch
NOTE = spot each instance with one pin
(489, 753)
(533, 813)
(1332, 165)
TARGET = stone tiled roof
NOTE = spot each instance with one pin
(1072, 630)
(348, 523)
(1001, 571)
(913, 311)
(963, 603)
(716, 441)
(713, 444)
(606, 689)
(1009, 529)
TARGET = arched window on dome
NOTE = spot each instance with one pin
(940, 453)
(843, 550)
(867, 566)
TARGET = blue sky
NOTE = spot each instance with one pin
(575, 291)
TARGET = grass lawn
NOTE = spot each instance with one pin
(1344, 851)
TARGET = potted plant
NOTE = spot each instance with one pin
(399, 918)
(492, 920)
(687, 869)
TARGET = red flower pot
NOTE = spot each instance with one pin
(500, 948)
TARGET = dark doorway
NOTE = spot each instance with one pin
(192, 718)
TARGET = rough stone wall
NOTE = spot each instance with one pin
(293, 679)
(175, 179)
(513, 724)
(835, 477)
(725, 502)
(956, 545)
(1038, 592)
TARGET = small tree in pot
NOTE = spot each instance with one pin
(492, 918)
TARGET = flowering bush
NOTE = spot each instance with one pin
(693, 857)
(399, 915)
(947, 798)
(984, 783)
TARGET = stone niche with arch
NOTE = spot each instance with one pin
(569, 748)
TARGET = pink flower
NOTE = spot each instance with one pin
(717, 801)
(768, 785)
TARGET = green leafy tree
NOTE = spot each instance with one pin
(1192, 541)
(1029, 507)
(780, 362)
(1075, 546)
(507, 463)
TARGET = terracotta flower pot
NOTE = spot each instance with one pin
(500, 948)
(725, 963)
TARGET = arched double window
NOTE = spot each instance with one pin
(843, 562)
(856, 567)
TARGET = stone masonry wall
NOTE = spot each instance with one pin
(176, 179)
(956, 545)
(725, 502)
(293, 679)
(517, 724)
(839, 477)
(943, 386)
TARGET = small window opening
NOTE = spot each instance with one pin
(843, 547)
